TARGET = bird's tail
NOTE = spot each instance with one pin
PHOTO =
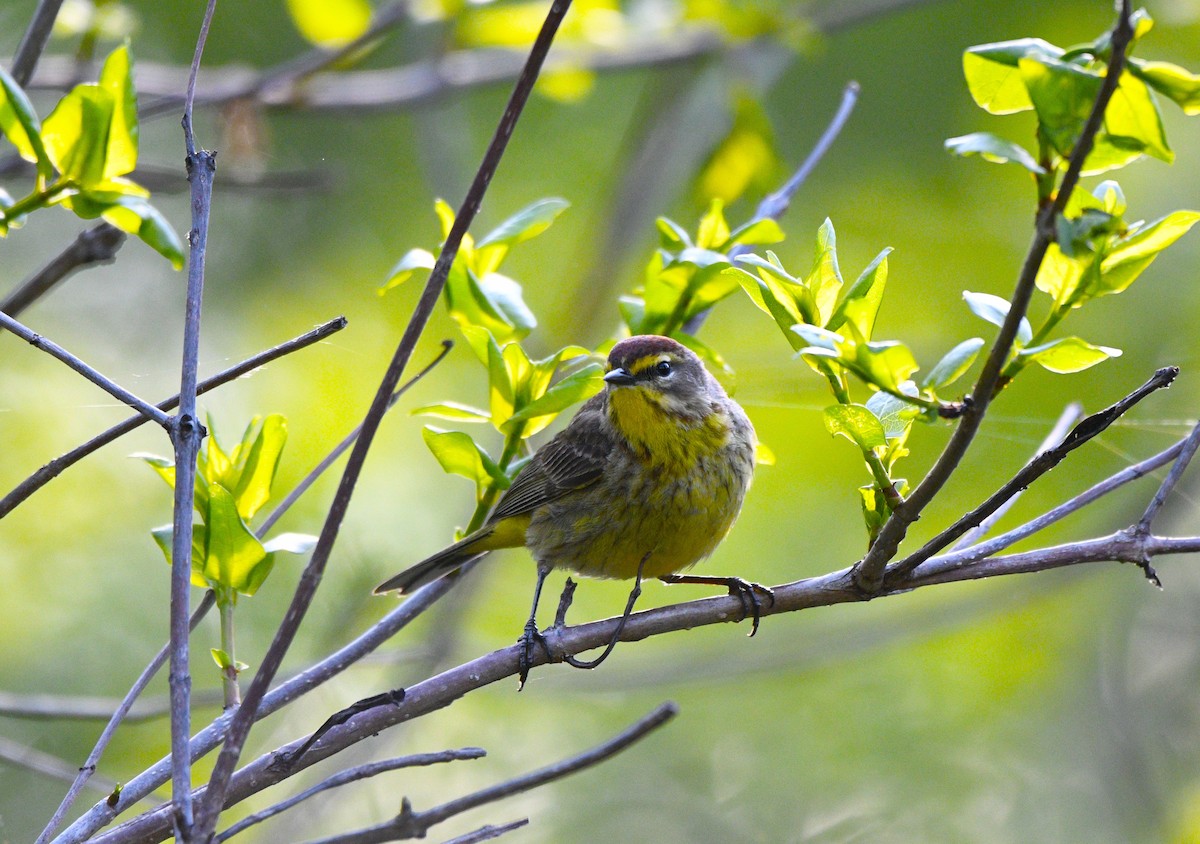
(487, 538)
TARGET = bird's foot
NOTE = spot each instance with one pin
(531, 638)
(751, 595)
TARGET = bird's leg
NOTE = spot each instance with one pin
(531, 634)
(747, 592)
(612, 643)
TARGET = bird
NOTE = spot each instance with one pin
(645, 481)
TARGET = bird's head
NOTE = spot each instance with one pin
(659, 372)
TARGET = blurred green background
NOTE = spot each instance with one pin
(1057, 707)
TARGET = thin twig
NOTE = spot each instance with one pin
(410, 824)
(48, 765)
(187, 433)
(244, 717)
(55, 467)
(353, 775)
(1065, 420)
(123, 712)
(347, 441)
(488, 832)
(869, 571)
(1160, 497)
(993, 546)
(775, 205)
(93, 247)
(292, 689)
(44, 707)
(33, 42)
(1042, 463)
(102, 381)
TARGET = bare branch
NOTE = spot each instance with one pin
(122, 712)
(211, 736)
(245, 715)
(33, 42)
(487, 833)
(1090, 427)
(102, 381)
(48, 765)
(44, 707)
(353, 775)
(869, 571)
(1067, 418)
(410, 824)
(1160, 497)
(93, 247)
(187, 434)
(55, 467)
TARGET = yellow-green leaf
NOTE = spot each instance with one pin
(330, 23)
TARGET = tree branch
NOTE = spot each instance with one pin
(244, 717)
(95, 246)
(1042, 463)
(55, 467)
(33, 42)
(410, 824)
(868, 573)
(353, 775)
(1186, 453)
(105, 383)
(488, 832)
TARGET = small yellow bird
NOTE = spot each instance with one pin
(646, 480)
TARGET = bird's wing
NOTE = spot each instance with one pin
(572, 460)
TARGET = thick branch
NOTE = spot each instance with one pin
(33, 42)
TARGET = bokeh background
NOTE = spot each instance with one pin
(1056, 707)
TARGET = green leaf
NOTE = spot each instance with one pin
(788, 302)
(1063, 95)
(130, 213)
(116, 77)
(500, 297)
(452, 410)
(994, 310)
(76, 134)
(818, 337)
(825, 278)
(413, 260)
(1070, 354)
(757, 232)
(993, 77)
(260, 465)
(232, 553)
(861, 303)
(1171, 81)
(1059, 275)
(224, 661)
(991, 148)
(953, 365)
(1132, 120)
(895, 414)
(671, 235)
(1138, 249)
(886, 364)
(713, 231)
(574, 388)
(458, 454)
(19, 123)
(527, 223)
(857, 424)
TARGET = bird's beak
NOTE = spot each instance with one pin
(619, 377)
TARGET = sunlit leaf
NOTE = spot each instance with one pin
(757, 232)
(452, 410)
(994, 310)
(672, 236)
(895, 414)
(458, 454)
(1063, 95)
(1070, 354)
(569, 391)
(993, 77)
(1171, 81)
(132, 213)
(413, 260)
(991, 148)
(1135, 252)
(954, 364)
(260, 464)
(19, 123)
(116, 77)
(713, 230)
(855, 423)
(527, 223)
(232, 552)
(824, 280)
(861, 303)
(76, 134)
(1132, 120)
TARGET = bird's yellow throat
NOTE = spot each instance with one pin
(645, 418)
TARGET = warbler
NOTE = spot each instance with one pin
(645, 481)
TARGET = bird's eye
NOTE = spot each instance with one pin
(663, 368)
